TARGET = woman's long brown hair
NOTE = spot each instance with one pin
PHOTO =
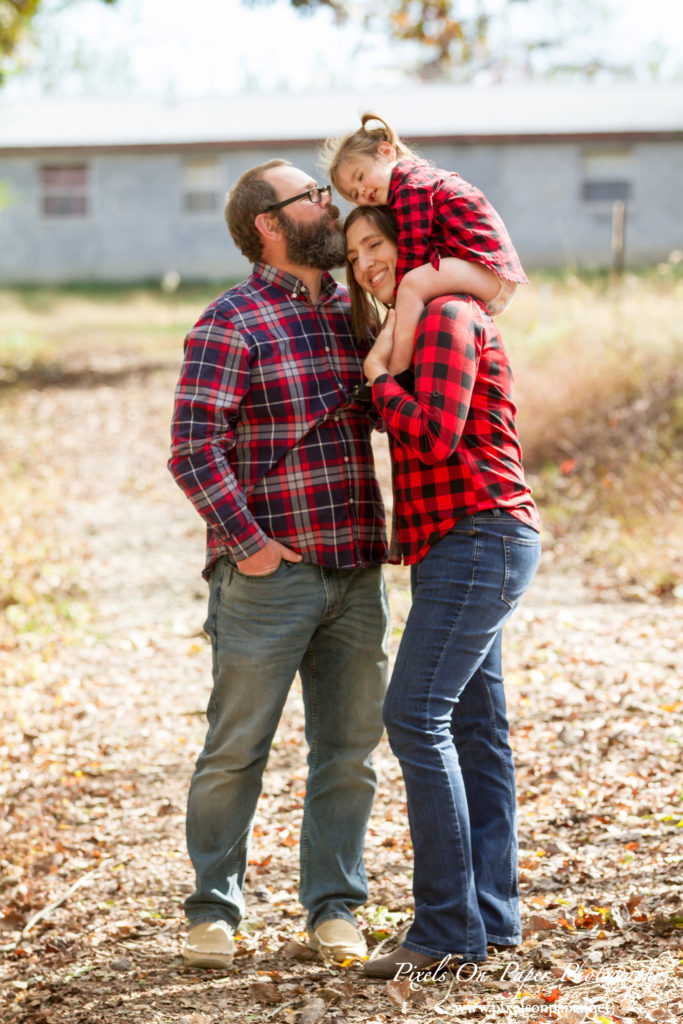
(367, 313)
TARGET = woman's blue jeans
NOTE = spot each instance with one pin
(330, 626)
(446, 721)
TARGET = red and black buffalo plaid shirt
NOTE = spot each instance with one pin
(441, 214)
(265, 439)
(454, 442)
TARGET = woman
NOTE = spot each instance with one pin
(465, 522)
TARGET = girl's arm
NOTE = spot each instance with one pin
(452, 276)
(427, 282)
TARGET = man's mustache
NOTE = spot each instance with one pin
(332, 213)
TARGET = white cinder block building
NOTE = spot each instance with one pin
(101, 190)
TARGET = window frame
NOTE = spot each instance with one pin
(197, 189)
(607, 176)
(65, 191)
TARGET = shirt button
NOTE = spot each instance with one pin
(346, 458)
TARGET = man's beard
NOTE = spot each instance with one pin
(320, 245)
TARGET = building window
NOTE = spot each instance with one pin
(607, 177)
(202, 182)
(65, 190)
(606, 191)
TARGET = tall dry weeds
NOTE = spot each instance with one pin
(599, 369)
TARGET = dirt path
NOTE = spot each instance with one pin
(103, 723)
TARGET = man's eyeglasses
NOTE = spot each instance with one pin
(315, 195)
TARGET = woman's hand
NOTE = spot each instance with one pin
(377, 360)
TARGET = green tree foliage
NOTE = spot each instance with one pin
(15, 23)
(15, 16)
(445, 35)
(457, 39)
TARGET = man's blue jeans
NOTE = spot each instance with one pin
(330, 626)
(446, 720)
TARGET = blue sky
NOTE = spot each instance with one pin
(204, 47)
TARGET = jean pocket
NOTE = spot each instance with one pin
(522, 556)
(279, 571)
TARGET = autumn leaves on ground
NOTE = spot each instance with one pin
(105, 671)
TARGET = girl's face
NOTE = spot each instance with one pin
(364, 179)
(372, 258)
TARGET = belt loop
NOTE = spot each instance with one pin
(228, 567)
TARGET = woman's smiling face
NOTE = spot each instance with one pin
(372, 258)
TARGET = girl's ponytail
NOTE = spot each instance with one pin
(364, 141)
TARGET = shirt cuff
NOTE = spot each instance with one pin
(247, 543)
(384, 388)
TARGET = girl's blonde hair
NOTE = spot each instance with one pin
(363, 142)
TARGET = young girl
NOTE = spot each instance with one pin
(439, 214)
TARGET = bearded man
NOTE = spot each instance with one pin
(275, 456)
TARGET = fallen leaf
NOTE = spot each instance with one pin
(265, 992)
(293, 950)
(312, 1011)
(537, 923)
(399, 992)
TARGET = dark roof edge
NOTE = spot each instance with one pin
(507, 138)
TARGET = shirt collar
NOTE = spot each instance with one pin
(291, 284)
(402, 169)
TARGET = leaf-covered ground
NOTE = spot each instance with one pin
(104, 679)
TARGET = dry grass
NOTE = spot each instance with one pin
(587, 353)
(599, 386)
(600, 393)
(46, 327)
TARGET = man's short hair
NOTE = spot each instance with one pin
(248, 197)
